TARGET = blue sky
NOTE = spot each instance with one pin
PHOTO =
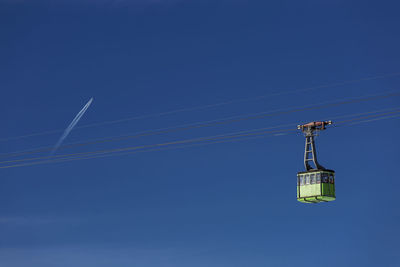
(230, 204)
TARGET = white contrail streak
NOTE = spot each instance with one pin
(71, 126)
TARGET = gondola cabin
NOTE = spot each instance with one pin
(316, 186)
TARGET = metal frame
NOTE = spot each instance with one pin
(310, 130)
(310, 154)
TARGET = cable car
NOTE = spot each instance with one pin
(316, 184)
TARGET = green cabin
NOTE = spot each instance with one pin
(316, 186)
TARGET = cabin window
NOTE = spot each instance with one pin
(301, 179)
(312, 177)
(307, 179)
(331, 179)
(318, 178)
(325, 178)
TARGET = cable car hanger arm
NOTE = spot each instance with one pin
(310, 152)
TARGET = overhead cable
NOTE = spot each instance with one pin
(145, 148)
(215, 122)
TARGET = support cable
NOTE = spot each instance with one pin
(164, 146)
(210, 123)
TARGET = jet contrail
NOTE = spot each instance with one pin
(71, 126)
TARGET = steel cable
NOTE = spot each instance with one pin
(212, 123)
(161, 146)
